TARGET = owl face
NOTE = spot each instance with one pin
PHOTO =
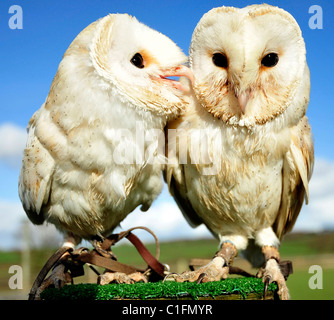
(248, 63)
(138, 60)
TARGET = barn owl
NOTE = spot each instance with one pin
(91, 157)
(241, 155)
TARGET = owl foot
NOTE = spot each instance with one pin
(58, 278)
(272, 273)
(104, 252)
(119, 277)
(215, 270)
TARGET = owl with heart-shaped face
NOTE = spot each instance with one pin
(248, 181)
(89, 159)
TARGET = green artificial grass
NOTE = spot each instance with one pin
(159, 290)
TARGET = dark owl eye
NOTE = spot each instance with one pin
(220, 60)
(270, 60)
(138, 61)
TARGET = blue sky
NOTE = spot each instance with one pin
(29, 59)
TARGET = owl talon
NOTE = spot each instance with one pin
(58, 279)
(215, 270)
(266, 284)
(169, 276)
(201, 277)
(119, 277)
(273, 273)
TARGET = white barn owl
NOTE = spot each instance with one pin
(90, 158)
(249, 148)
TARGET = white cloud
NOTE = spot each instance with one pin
(319, 213)
(166, 220)
(11, 217)
(12, 143)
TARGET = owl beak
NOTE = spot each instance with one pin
(179, 71)
(243, 98)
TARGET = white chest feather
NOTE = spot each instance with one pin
(239, 189)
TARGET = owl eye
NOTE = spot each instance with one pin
(138, 61)
(270, 60)
(220, 60)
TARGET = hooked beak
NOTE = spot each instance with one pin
(243, 98)
(179, 71)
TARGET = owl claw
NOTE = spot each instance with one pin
(168, 276)
(266, 284)
(201, 277)
(58, 279)
(187, 276)
(119, 277)
(216, 270)
(273, 273)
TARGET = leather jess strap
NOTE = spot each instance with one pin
(100, 256)
(154, 263)
(95, 258)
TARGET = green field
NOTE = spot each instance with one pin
(305, 250)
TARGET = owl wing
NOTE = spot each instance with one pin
(35, 176)
(297, 171)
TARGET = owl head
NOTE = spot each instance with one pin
(250, 65)
(125, 59)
